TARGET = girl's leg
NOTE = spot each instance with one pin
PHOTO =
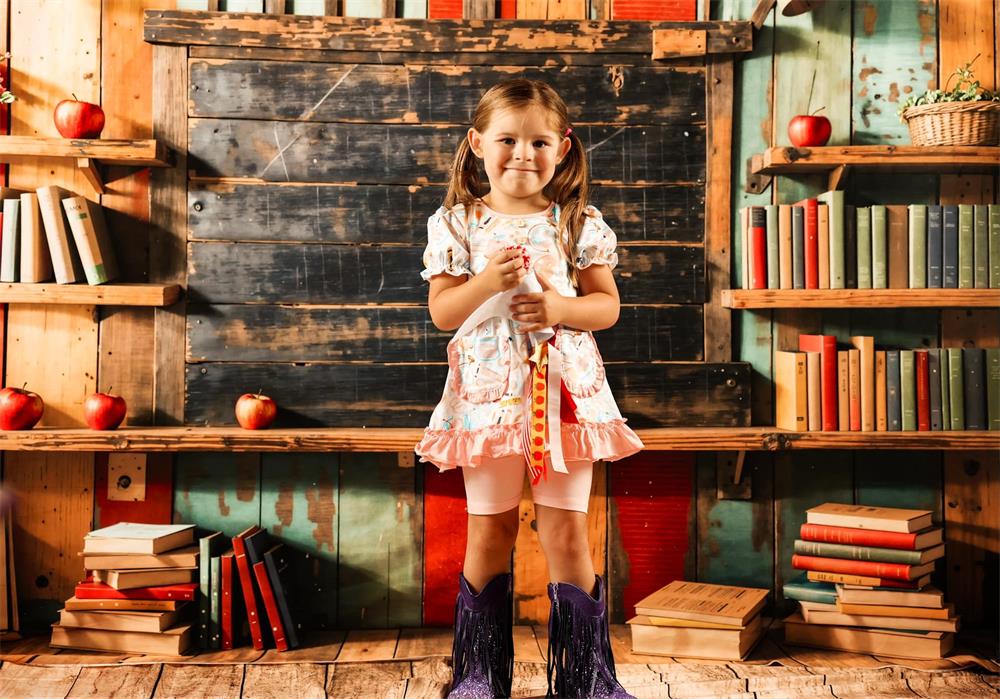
(564, 538)
(490, 543)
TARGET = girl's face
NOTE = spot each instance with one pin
(520, 150)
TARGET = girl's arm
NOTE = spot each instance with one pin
(452, 299)
(597, 306)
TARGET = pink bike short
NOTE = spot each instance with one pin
(495, 486)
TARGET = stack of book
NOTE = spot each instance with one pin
(861, 388)
(698, 620)
(823, 243)
(52, 234)
(867, 586)
(138, 597)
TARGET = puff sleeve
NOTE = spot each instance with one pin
(447, 250)
(597, 242)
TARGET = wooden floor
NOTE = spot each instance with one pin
(412, 663)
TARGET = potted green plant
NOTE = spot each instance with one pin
(967, 115)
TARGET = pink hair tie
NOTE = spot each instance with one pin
(568, 132)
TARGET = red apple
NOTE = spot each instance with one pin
(255, 411)
(103, 411)
(76, 119)
(19, 409)
(809, 130)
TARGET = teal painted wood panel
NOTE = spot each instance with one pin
(895, 55)
(381, 542)
(299, 494)
(908, 479)
(217, 491)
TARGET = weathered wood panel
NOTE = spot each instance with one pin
(446, 525)
(381, 519)
(155, 508)
(323, 273)
(328, 92)
(200, 681)
(298, 505)
(115, 682)
(218, 492)
(279, 151)
(355, 395)
(384, 35)
(258, 333)
(395, 214)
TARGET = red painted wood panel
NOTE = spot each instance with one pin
(157, 508)
(445, 533)
(673, 10)
(508, 9)
(652, 495)
(444, 9)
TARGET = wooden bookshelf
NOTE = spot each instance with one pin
(159, 295)
(861, 298)
(87, 153)
(837, 161)
(174, 439)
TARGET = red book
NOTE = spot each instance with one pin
(875, 569)
(226, 594)
(826, 345)
(923, 391)
(95, 590)
(251, 596)
(811, 224)
(271, 605)
(867, 537)
(758, 244)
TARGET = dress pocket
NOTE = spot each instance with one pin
(582, 366)
(480, 366)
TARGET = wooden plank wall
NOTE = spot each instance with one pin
(895, 48)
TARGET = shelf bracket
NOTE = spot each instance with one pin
(88, 167)
(837, 176)
(756, 183)
(730, 481)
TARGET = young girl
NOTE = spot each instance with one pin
(522, 270)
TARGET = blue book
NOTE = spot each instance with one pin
(949, 254)
(850, 247)
(935, 249)
(893, 407)
(803, 589)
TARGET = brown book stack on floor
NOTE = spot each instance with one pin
(698, 620)
(140, 592)
(867, 587)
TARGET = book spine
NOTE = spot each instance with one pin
(921, 362)
(898, 253)
(864, 254)
(65, 262)
(277, 567)
(935, 242)
(798, 247)
(814, 380)
(85, 236)
(880, 392)
(204, 589)
(917, 246)
(802, 593)
(858, 537)
(836, 258)
(875, 569)
(974, 388)
(249, 593)
(812, 244)
(226, 603)
(934, 387)
(270, 605)
(993, 388)
(945, 390)
(865, 344)
(10, 252)
(994, 246)
(856, 553)
(880, 247)
(949, 255)
(185, 593)
(758, 247)
(981, 246)
(823, 245)
(956, 396)
(36, 262)
(743, 278)
(893, 408)
(843, 391)
(854, 389)
(771, 236)
(785, 246)
(790, 391)
(907, 391)
(850, 247)
(966, 255)
(215, 604)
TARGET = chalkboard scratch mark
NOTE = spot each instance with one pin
(381, 272)
(309, 114)
(601, 143)
(281, 153)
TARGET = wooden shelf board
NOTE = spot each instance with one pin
(86, 294)
(106, 151)
(790, 160)
(348, 439)
(861, 298)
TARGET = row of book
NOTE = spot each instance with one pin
(142, 595)
(867, 586)
(823, 243)
(861, 388)
(52, 234)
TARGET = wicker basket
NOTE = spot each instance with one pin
(954, 124)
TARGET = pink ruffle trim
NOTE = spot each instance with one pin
(589, 441)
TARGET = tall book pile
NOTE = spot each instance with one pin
(52, 234)
(867, 583)
(823, 243)
(824, 386)
(698, 620)
(138, 598)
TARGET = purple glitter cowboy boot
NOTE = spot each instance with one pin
(482, 657)
(581, 664)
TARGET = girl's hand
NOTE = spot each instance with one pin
(538, 311)
(504, 270)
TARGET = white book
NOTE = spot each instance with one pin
(66, 263)
(10, 252)
(130, 537)
(86, 221)
(36, 264)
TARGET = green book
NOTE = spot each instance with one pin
(966, 240)
(834, 201)
(858, 553)
(803, 589)
(994, 213)
(208, 546)
(981, 246)
(956, 396)
(880, 267)
(215, 604)
(917, 246)
(908, 390)
(771, 239)
(945, 393)
(993, 388)
(864, 229)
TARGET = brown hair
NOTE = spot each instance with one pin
(569, 187)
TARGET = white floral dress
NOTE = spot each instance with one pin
(482, 412)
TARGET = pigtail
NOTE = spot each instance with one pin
(464, 184)
(570, 189)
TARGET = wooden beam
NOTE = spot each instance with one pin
(678, 43)
(126, 294)
(861, 298)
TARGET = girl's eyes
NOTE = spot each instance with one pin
(510, 142)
